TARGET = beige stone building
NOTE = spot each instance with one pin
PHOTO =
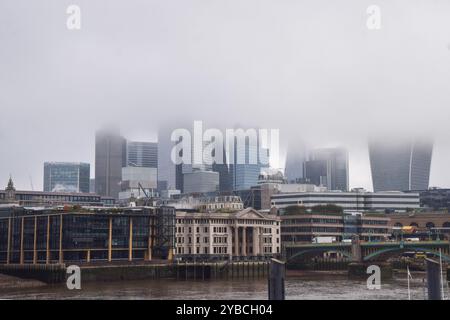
(242, 234)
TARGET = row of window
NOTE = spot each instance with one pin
(226, 221)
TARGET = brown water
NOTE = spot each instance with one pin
(310, 286)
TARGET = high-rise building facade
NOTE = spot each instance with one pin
(166, 168)
(400, 165)
(296, 156)
(142, 154)
(199, 181)
(66, 177)
(328, 167)
(110, 157)
(225, 179)
(248, 160)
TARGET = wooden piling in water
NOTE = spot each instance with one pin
(276, 280)
(433, 280)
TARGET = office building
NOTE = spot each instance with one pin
(296, 156)
(400, 165)
(328, 167)
(110, 157)
(435, 198)
(92, 186)
(166, 168)
(49, 199)
(200, 182)
(66, 177)
(318, 172)
(437, 222)
(85, 235)
(142, 154)
(262, 193)
(298, 228)
(247, 162)
(355, 201)
(138, 182)
(225, 178)
(201, 203)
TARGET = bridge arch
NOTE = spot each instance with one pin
(429, 225)
(398, 250)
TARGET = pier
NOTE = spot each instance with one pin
(56, 273)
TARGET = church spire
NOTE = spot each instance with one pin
(10, 186)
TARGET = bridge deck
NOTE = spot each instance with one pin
(369, 244)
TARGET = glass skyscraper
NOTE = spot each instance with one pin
(400, 164)
(142, 154)
(66, 177)
(328, 167)
(110, 157)
(245, 172)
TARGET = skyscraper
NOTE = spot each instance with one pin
(225, 179)
(244, 171)
(328, 167)
(110, 157)
(142, 154)
(400, 164)
(66, 177)
(166, 168)
(296, 156)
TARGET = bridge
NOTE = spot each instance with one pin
(358, 251)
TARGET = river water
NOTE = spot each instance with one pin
(310, 286)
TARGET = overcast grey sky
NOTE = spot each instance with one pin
(309, 67)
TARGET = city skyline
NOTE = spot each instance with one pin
(35, 180)
(275, 66)
(251, 150)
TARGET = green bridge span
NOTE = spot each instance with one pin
(367, 251)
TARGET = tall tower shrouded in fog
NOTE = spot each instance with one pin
(400, 165)
(110, 157)
(328, 167)
(296, 157)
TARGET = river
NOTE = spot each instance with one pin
(307, 286)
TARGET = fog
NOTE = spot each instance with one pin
(311, 68)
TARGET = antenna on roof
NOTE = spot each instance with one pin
(31, 183)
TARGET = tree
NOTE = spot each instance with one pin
(295, 209)
(328, 208)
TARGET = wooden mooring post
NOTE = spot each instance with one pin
(434, 280)
(276, 280)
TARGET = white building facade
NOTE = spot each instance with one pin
(244, 234)
(350, 201)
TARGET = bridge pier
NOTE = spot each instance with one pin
(358, 270)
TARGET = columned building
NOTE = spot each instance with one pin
(240, 235)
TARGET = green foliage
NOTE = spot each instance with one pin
(327, 208)
(293, 210)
